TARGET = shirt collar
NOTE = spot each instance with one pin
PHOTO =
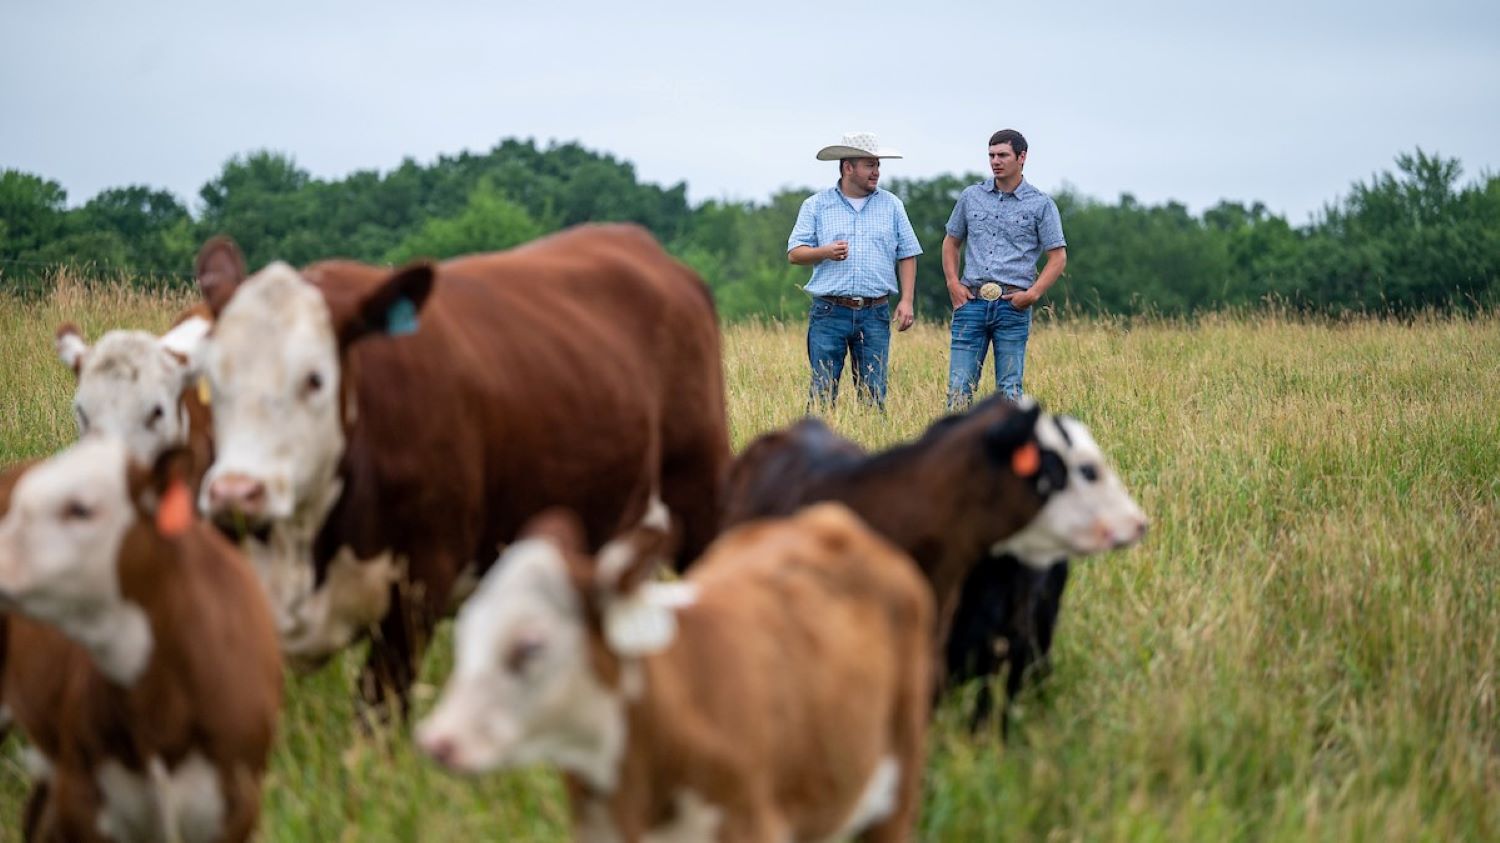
(838, 192)
(1021, 189)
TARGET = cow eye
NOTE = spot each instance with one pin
(76, 511)
(1089, 472)
(522, 653)
(154, 417)
(313, 383)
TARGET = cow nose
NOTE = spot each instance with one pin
(1136, 532)
(441, 749)
(237, 494)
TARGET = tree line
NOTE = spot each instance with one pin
(1414, 238)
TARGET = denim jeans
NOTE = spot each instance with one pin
(865, 335)
(976, 325)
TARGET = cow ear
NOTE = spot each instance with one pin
(639, 616)
(391, 310)
(71, 348)
(220, 268)
(162, 492)
(628, 561)
(1012, 440)
(183, 345)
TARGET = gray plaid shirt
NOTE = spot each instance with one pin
(1004, 233)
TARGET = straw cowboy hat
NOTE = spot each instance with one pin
(857, 145)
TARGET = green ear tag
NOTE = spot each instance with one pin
(401, 318)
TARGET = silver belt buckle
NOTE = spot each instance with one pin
(989, 291)
(859, 302)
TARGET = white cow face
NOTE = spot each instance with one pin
(1087, 509)
(523, 689)
(273, 365)
(130, 384)
(60, 540)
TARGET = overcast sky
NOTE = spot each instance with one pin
(1282, 102)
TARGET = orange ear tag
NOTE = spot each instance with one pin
(175, 513)
(1026, 460)
(205, 395)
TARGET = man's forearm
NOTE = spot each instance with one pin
(951, 248)
(806, 255)
(906, 274)
(1057, 259)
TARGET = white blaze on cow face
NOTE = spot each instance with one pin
(59, 551)
(523, 689)
(1090, 513)
(273, 365)
(130, 384)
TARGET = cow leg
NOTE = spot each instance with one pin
(690, 489)
(390, 664)
(1048, 606)
(32, 827)
(396, 650)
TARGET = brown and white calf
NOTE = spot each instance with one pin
(146, 389)
(999, 479)
(779, 693)
(389, 429)
(139, 655)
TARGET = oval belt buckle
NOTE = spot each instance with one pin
(989, 291)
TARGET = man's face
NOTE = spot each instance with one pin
(862, 175)
(1004, 163)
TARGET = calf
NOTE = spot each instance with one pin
(779, 693)
(139, 656)
(1000, 478)
(1003, 627)
(146, 389)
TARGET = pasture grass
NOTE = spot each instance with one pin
(1305, 647)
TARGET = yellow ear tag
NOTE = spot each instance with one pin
(205, 395)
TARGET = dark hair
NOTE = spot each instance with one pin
(1016, 140)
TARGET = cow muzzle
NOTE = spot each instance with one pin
(235, 498)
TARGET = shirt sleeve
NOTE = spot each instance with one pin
(805, 230)
(1049, 228)
(907, 244)
(958, 223)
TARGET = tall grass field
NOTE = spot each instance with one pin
(1306, 646)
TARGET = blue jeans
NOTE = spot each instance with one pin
(977, 325)
(865, 335)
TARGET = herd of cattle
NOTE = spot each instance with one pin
(708, 647)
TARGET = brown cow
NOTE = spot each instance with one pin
(138, 655)
(388, 430)
(779, 693)
(998, 479)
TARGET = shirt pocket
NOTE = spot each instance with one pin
(1020, 228)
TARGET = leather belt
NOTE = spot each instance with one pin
(992, 290)
(856, 302)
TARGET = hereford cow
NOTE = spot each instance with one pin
(779, 693)
(138, 655)
(146, 389)
(998, 479)
(387, 430)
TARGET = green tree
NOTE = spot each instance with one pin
(487, 223)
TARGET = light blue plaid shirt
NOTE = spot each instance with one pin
(879, 234)
(1004, 233)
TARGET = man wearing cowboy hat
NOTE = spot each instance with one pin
(861, 246)
(1007, 225)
